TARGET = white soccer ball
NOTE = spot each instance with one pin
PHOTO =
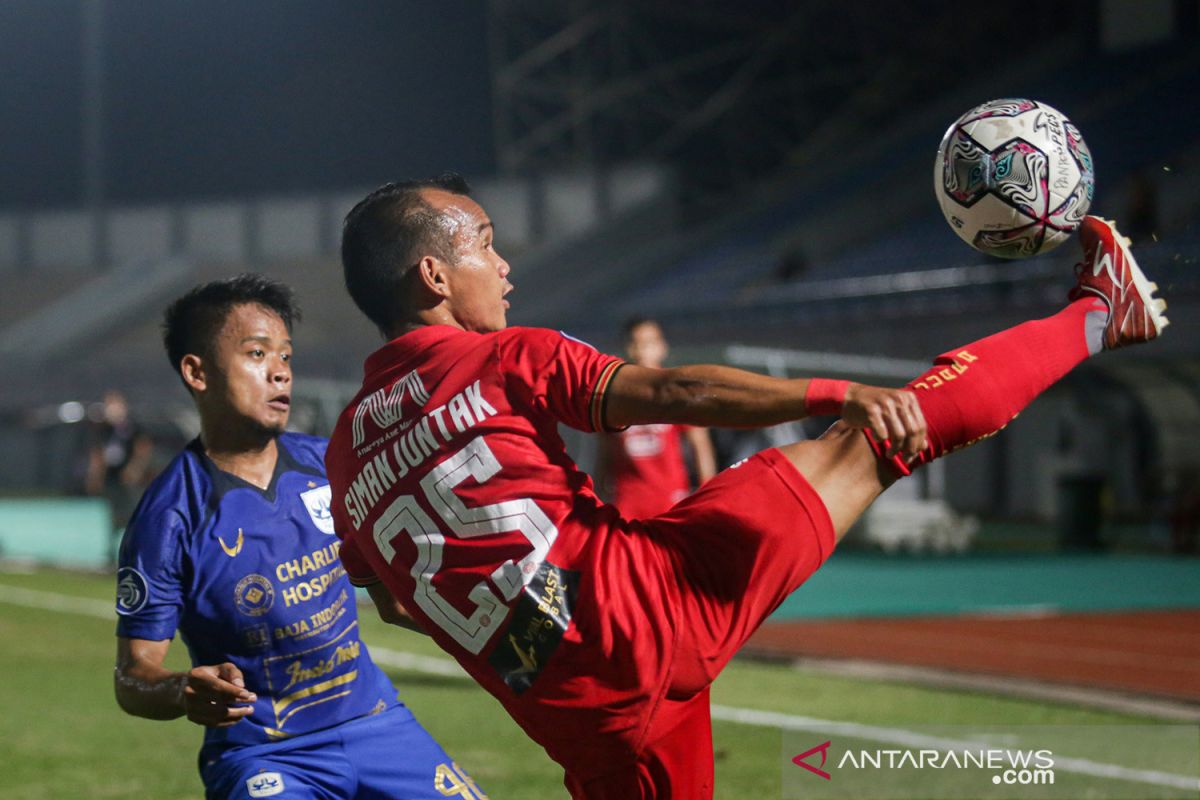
(1013, 177)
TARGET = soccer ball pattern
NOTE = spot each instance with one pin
(1013, 177)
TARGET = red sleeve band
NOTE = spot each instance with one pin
(825, 397)
(599, 398)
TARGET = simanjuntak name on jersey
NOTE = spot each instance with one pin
(383, 406)
(463, 411)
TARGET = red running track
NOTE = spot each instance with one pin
(1145, 652)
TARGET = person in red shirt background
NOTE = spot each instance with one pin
(642, 468)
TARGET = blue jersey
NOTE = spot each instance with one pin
(252, 577)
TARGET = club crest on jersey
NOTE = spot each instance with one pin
(265, 784)
(318, 501)
(132, 590)
(383, 405)
(237, 545)
(254, 595)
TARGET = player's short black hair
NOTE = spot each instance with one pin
(385, 235)
(631, 324)
(191, 323)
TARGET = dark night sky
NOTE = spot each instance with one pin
(225, 98)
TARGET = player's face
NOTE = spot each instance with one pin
(478, 281)
(251, 375)
(647, 347)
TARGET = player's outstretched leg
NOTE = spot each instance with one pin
(970, 393)
(974, 391)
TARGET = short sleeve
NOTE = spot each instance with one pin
(150, 592)
(564, 377)
(357, 569)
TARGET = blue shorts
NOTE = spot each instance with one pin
(384, 757)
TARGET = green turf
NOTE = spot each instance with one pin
(62, 735)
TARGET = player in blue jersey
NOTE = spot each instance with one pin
(233, 546)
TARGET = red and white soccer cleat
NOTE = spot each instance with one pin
(1109, 271)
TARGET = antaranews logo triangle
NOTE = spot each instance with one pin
(823, 749)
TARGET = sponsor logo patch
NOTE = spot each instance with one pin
(540, 617)
(318, 501)
(383, 405)
(265, 784)
(256, 637)
(132, 591)
(254, 595)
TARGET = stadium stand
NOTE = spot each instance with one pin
(857, 214)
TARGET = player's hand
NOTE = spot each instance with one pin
(215, 696)
(893, 415)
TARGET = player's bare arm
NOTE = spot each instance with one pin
(211, 695)
(716, 395)
(391, 610)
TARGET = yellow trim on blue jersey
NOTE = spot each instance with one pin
(307, 706)
(323, 686)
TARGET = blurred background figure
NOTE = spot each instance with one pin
(119, 459)
(642, 470)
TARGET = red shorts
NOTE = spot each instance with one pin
(732, 552)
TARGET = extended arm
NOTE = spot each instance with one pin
(207, 695)
(708, 395)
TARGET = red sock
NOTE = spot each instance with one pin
(973, 392)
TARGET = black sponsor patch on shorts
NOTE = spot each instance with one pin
(539, 620)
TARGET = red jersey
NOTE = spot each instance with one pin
(452, 485)
(647, 469)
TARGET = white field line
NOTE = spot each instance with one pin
(445, 667)
(53, 601)
(426, 665)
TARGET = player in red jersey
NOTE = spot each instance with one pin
(642, 467)
(600, 636)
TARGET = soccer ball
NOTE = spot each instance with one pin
(1013, 178)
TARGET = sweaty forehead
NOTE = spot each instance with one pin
(252, 320)
(460, 213)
